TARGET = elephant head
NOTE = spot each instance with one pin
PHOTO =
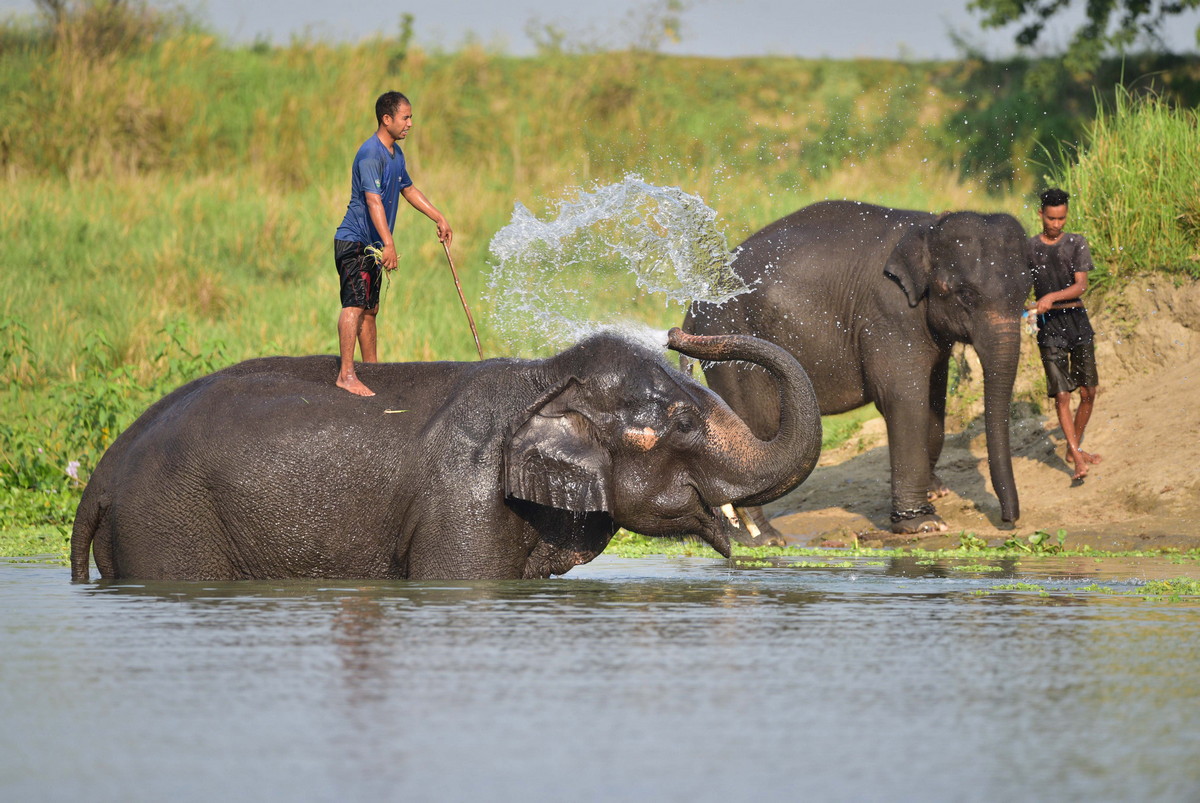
(621, 432)
(972, 273)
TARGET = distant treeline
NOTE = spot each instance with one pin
(161, 95)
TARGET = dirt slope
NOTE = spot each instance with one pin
(1146, 425)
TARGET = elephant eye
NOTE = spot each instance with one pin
(686, 421)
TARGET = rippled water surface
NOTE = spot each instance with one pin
(651, 679)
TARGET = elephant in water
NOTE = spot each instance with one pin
(870, 300)
(505, 468)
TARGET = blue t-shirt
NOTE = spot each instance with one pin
(376, 171)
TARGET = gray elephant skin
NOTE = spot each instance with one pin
(503, 468)
(870, 300)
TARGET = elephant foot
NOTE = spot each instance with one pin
(937, 488)
(756, 530)
(923, 520)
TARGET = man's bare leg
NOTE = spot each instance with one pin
(367, 337)
(1083, 414)
(1087, 399)
(350, 323)
(1062, 403)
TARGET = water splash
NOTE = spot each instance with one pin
(605, 250)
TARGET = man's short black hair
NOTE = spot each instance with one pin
(1054, 197)
(388, 103)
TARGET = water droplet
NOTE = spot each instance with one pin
(555, 281)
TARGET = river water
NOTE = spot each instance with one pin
(665, 679)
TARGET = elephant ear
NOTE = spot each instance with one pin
(909, 264)
(553, 457)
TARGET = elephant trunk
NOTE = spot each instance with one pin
(761, 470)
(998, 353)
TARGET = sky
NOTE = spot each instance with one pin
(915, 29)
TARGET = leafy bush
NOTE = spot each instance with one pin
(49, 451)
(1135, 189)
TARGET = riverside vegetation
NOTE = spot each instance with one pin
(183, 222)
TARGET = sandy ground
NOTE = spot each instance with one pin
(1146, 425)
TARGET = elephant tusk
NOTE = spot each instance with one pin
(751, 527)
(731, 514)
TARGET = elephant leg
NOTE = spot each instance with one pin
(908, 450)
(937, 426)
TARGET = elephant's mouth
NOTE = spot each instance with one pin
(718, 528)
(723, 527)
(691, 515)
(712, 526)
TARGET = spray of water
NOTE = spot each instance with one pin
(555, 281)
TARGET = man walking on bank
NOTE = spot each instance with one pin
(377, 180)
(1060, 263)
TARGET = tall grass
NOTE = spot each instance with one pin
(1135, 187)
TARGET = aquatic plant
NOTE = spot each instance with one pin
(1039, 543)
(1175, 590)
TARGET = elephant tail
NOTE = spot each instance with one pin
(88, 517)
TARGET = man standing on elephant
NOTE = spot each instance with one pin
(377, 180)
(1060, 263)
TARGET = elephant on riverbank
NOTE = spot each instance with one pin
(504, 468)
(870, 300)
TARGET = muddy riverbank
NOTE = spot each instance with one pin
(1144, 495)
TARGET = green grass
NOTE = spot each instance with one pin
(45, 544)
(1135, 187)
(837, 429)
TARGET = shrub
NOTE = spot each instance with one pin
(1135, 190)
(47, 452)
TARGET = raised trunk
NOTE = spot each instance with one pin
(761, 471)
(999, 351)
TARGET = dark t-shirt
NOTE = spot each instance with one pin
(1054, 268)
(377, 171)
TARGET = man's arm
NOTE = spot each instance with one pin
(1074, 291)
(422, 205)
(379, 219)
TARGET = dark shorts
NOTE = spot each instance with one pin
(359, 272)
(1069, 368)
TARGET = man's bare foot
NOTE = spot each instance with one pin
(354, 385)
(1088, 457)
(1081, 467)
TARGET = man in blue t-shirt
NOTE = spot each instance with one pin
(377, 180)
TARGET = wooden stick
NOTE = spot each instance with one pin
(463, 299)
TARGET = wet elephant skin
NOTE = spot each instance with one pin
(503, 468)
(870, 300)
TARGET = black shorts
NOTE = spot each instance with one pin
(1069, 368)
(359, 272)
